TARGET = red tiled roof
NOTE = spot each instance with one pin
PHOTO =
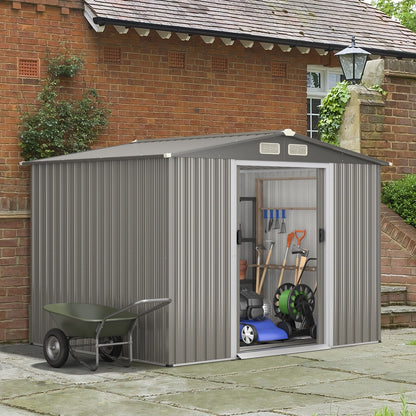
(327, 24)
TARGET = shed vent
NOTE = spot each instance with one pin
(28, 68)
(297, 150)
(270, 148)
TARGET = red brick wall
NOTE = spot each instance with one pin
(400, 118)
(398, 253)
(14, 278)
(388, 133)
(155, 88)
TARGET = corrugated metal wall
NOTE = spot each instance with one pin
(112, 232)
(94, 228)
(357, 254)
(200, 260)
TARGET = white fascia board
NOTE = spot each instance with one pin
(89, 15)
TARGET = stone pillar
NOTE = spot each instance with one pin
(363, 122)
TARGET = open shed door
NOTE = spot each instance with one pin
(281, 240)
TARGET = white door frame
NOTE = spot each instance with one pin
(328, 264)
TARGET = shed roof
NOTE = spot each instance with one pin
(327, 24)
(239, 146)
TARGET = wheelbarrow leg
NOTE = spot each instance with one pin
(130, 343)
(82, 362)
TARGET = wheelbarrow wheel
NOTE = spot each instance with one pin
(55, 347)
(111, 352)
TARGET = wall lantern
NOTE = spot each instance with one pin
(353, 62)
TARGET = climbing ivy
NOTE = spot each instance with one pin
(59, 124)
(331, 111)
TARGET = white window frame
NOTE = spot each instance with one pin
(320, 93)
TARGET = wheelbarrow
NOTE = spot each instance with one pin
(106, 325)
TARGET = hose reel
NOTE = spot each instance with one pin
(294, 302)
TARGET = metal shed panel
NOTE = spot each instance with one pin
(357, 254)
(94, 241)
(200, 260)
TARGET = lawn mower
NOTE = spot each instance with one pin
(254, 326)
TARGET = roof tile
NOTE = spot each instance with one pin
(321, 23)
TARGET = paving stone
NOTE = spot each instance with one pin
(361, 407)
(238, 400)
(13, 411)
(151, 385)
(358, 388)
(16, 388)
(87, 402)
(235, 366)
(284, 377)
(388, 367)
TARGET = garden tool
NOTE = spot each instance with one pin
(303, 253)
(258, 250)
(276, 221)
(289, 242)
(283, 225)
(270, 220)
(266, 266)
(299, 234)
(265, 221)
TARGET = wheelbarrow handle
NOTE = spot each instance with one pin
(161, 302)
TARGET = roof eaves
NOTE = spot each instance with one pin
(102, 21)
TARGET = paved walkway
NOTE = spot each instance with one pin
(344, 381)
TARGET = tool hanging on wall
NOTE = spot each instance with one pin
(270, 221)
(283, 224)
(266, 266)
(276, 221)
(265, 221)
(289, 242)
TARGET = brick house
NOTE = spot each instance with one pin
(170, 69)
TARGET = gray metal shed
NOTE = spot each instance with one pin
(159, 218)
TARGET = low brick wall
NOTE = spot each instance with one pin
(398, 253)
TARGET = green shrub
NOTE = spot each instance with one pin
(400, 196)
(65, 65)
(60, 125)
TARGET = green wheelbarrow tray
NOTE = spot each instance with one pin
(81, 319)
(106, 325)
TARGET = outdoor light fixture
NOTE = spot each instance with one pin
(353, 62)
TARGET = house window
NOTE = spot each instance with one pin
(319, 80)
